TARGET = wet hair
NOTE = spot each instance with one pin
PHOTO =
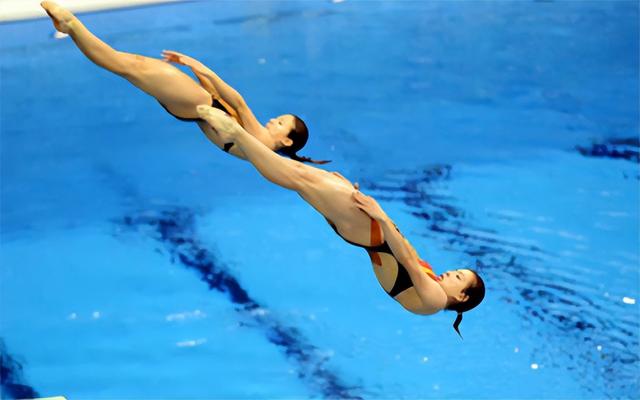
(299, 136)
(476, 295)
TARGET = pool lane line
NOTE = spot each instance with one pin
(12, 383)
(174, 229)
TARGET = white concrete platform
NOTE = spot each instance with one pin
(14, 10)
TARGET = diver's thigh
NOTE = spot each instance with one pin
(170, 86)
(331, 196)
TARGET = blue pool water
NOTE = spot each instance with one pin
(138, 261)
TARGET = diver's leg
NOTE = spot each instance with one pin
(173, 88)
(327, 193)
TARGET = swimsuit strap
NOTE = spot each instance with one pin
(429, 270)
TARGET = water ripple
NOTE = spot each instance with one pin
(593, 332)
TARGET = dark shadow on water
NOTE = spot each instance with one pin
(621, 148)
(12, 384)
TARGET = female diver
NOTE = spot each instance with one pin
(179, 94)
(360, 221)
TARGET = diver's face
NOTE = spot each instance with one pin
(280, 127)
(456, 282)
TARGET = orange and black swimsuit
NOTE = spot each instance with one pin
(403, 280)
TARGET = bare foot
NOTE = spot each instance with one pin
(62, 18)
(227, 128)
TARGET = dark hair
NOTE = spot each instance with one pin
(299, 135)
(476, 295)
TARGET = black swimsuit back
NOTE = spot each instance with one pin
(214, 103)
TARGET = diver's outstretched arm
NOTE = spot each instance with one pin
(217, 86)
(228, 93)
(208, 86)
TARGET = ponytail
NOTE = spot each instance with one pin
(456, 324)
(296, 157)
(476, 295)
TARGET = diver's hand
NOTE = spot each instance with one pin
(369, 205)
(179, 58)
